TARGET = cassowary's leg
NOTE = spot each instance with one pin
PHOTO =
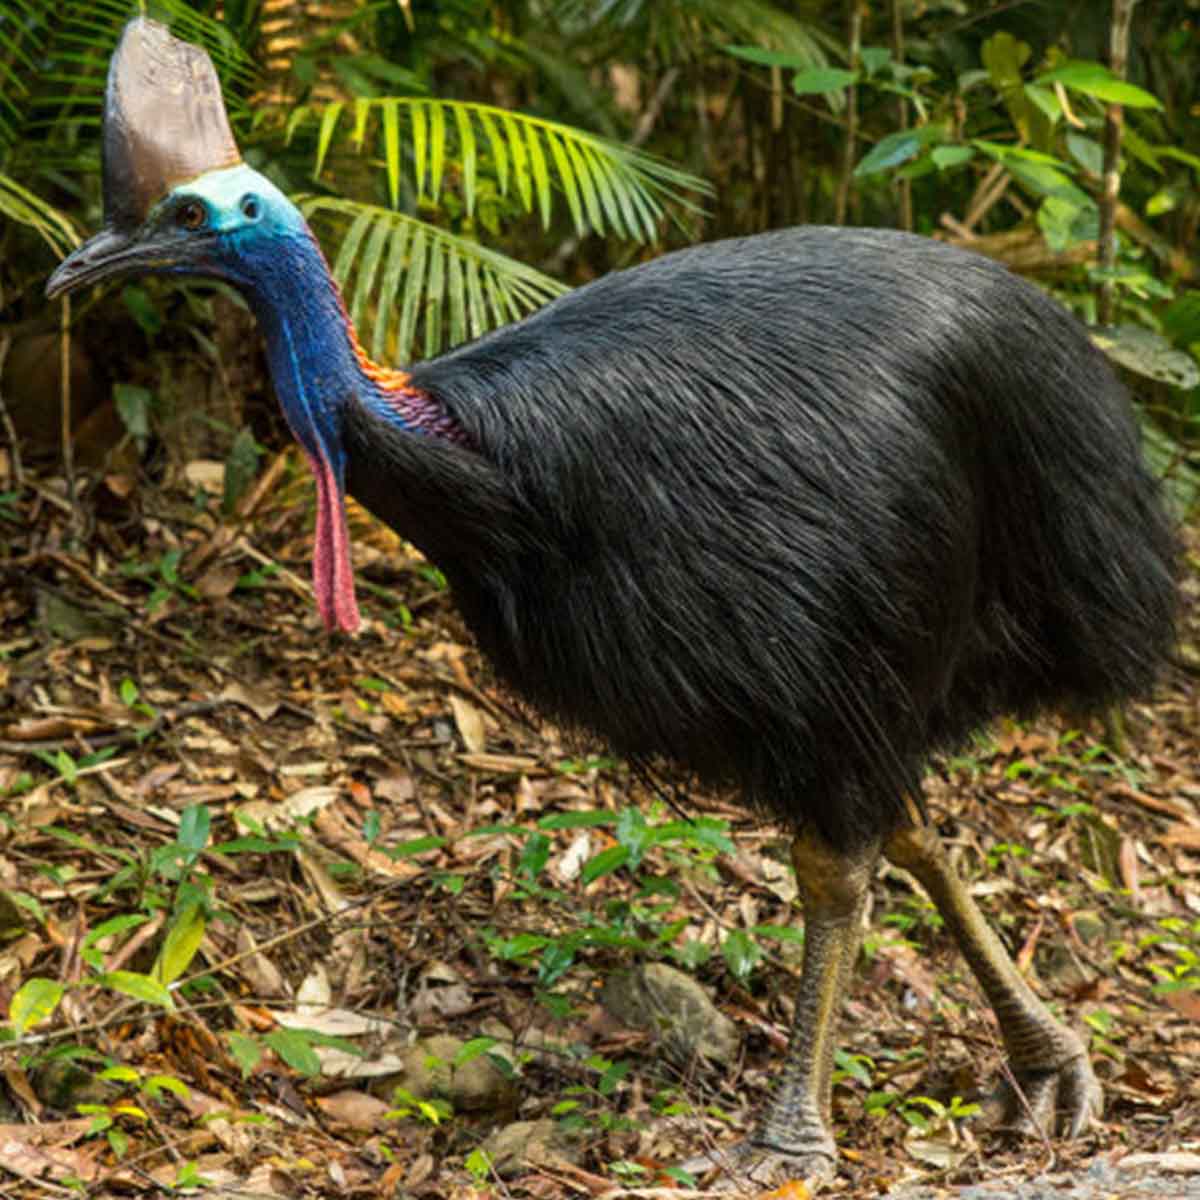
(1048, 1061)
(793, 1138)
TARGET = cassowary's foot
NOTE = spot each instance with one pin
(1064, 1101)
(764, 1167)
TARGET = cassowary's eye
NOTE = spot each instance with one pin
(251, 209)
(190, 215)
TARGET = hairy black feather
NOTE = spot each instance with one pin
(792, 511)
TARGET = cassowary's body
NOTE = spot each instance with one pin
(793, 511)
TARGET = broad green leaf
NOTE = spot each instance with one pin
(119, 1074)
(604, 863)
(947, 157)
(133, 404)
(31, 905)
(34, 1001)
(874, 58)
(822, 79)
(181, 943)
(781, 933)
(473, 1049)
(896, 148)
(246, 1051)
(295, 1048)
(194, 824)
(1045, 99)
(1040, 173)
(577, 820)
(1048, 181)
(1094, 79)
(1181, 319)
(1087, 152)
(140, 987)
(155, 1085)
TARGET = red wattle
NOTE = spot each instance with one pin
(333, 573)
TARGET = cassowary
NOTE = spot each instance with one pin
(791, 512)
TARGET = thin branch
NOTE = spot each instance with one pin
(1114, 122)
(848, 149)
(14, 446)
(68, 444)
(904, 186)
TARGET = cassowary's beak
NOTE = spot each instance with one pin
(164, 123)
(109, 254)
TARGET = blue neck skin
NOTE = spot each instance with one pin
(310, 345)
(266, 250)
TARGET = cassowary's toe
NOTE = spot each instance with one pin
(744, 1163)
(1066, 1101)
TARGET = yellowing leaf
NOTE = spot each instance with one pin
(35, 1000)
(182, 941)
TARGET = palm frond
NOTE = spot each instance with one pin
(606, 185)
(54, 62)
(405, 278)
(22, 206)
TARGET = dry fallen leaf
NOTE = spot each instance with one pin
(469, 720)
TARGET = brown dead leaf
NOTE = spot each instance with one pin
(1186, 1003)
(1127, 865)
(121, 486)
(263, 706)
(499, 764)
(40, 729)
(469, 720)
(218, 581)
(357, 1110)
(1180, 834)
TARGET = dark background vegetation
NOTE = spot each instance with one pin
(212, 815)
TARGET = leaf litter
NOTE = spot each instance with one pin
(394, 855)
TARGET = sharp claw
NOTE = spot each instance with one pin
(1067, 1100)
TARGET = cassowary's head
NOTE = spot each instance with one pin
(179, 200)
(177, 197)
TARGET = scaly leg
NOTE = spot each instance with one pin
(793, 1138)
(1048, 1060)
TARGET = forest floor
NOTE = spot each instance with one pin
(286, 914)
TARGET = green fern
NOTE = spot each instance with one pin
(607, 186)
(53, 64)
(401, 274)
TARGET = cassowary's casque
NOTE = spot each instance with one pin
(792, 512)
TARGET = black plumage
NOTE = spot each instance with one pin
(792, 511)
